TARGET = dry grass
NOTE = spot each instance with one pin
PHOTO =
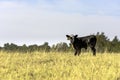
(59, 66)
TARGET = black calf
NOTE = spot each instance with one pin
(82, 42)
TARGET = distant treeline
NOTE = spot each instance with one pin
(103, 45)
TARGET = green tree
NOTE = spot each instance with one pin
(62, 46)
(115, 45)
(102, 42)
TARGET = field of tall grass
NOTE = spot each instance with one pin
(59, 66)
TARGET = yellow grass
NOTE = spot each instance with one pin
(59, 66)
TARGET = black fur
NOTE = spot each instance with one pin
(83, 42)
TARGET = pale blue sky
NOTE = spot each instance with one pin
(37, 21)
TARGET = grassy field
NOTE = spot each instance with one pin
(59, 66)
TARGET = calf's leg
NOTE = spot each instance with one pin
(75, 52)
(93, 50)
(79, 52)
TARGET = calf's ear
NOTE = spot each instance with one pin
(76, 35)
(68, 37)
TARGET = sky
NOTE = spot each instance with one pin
(38, 21)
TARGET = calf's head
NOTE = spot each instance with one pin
(72, 38)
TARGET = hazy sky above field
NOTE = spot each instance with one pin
(39, 21)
